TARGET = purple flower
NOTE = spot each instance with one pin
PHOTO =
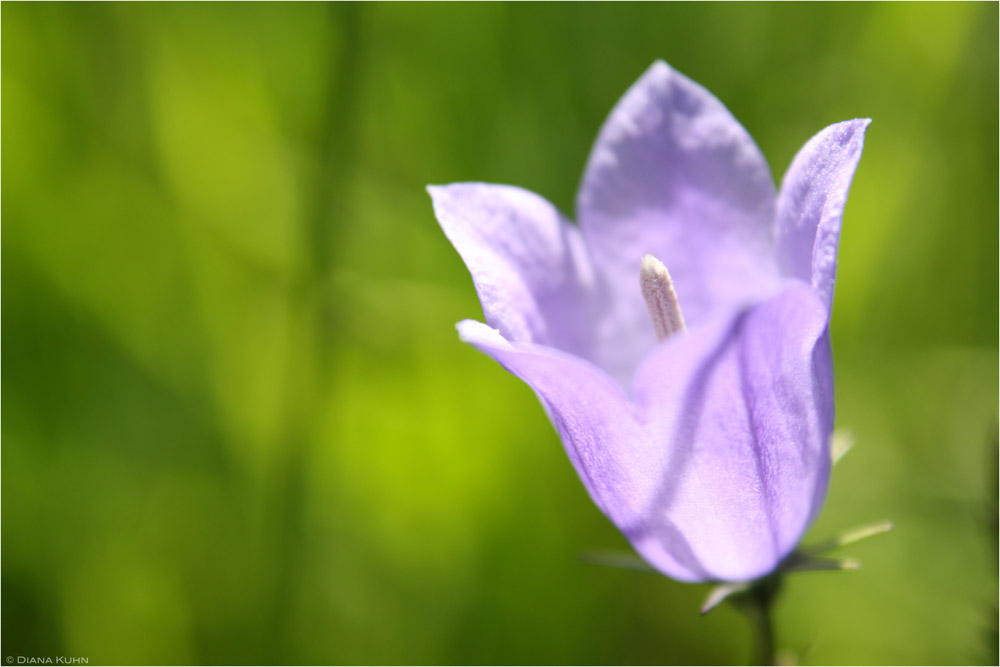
(696, 405)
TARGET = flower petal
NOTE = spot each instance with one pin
(595, 421)
(811, 204)
(744, 406)
(528, 262)
(674, 175)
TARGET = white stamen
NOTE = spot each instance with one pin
(661, 299)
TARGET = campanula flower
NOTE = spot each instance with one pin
(678, 336)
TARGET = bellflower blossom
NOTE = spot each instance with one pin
(678, 337)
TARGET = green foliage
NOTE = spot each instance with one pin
(239, 426)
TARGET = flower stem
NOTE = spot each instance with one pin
(756, 603)
(765, 636)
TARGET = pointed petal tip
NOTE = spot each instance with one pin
(436, 190)
(473, 331)
(855, 126)
(811, 203)
(465, 329)
(842, 133)
(672, 172)
(659, 67)
(431, 188)
(436, 193)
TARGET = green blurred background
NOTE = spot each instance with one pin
(239, 426)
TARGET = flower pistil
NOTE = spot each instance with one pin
(661, 299)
